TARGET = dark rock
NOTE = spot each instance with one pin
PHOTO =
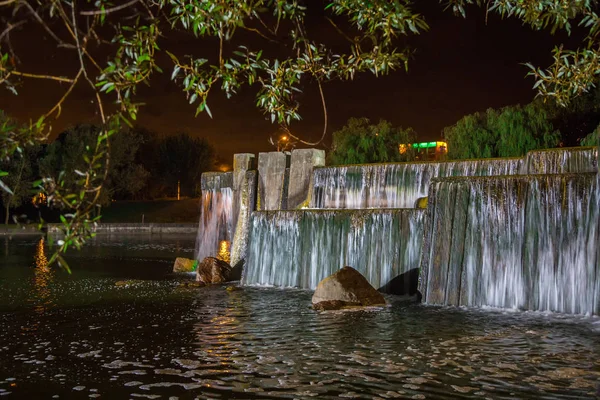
(236, 270)
(405, 284)
(345, 288)
(184, 265)
(330, 305)
(212, 270)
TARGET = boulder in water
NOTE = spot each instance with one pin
(345, 288)
(405, 284)
(212, 270)
(184, 265)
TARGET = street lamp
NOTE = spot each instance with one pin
(282, 143)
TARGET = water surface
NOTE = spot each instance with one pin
(88, 335)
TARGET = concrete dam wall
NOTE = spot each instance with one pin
(511, 233)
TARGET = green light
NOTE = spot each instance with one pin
(424, 145)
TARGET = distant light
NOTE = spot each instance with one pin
(284, 138)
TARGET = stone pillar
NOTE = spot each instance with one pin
(242, 229)
(242, 163)
(271, 180)
(301, 169)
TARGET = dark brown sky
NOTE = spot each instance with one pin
(460, 67)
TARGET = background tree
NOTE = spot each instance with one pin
(509, 132)
(471, 137)
(183, 159)
(19, 175)
(578, 119)
(125, 178)
(359, 142)
(593, 139)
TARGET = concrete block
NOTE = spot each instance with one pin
(301, 169)
(271, 180)
(242, 229)
(242, 163)
(216, 180)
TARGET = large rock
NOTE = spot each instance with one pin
(346, 287)
(184, 265)
(212, 270)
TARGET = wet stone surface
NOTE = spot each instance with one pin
(80, 336)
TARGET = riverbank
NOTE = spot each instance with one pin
(134, 228)
(129, 228)
(20, 230)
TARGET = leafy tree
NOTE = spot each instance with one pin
(183, 159)
(509, 132)
(471, 137)
(593, 139)
(578, 119)
(359, 142)
(63, 158)
(20, 173)
(129, 57)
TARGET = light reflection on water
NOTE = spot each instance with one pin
(85, 336)
(42, 277)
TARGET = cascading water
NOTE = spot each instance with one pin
(300, 248)
(215, 231)
(561, 161)
(399, 185)
(394, 185)
(526, 242)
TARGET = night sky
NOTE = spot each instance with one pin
(460, 66)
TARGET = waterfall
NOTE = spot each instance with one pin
(300, 248)
(396, 185)
(561, 161)
(525, 242)
(399, 185)
(215, 230)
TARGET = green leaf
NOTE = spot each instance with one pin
(63, 263)
(5, 188)
(176, 70)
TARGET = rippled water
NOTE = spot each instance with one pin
(81, 336)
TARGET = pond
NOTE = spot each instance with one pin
(89, 335)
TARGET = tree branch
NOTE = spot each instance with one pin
(287, 130)
(10, 27)
(58, 105)
(46, 27)
(110, 10)
(80, 52)
(36, 76)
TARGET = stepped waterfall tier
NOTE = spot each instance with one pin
(396, 185)
(300, 248)
(561, 161)
(524, 242)
(399, 185)
(215, 230)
